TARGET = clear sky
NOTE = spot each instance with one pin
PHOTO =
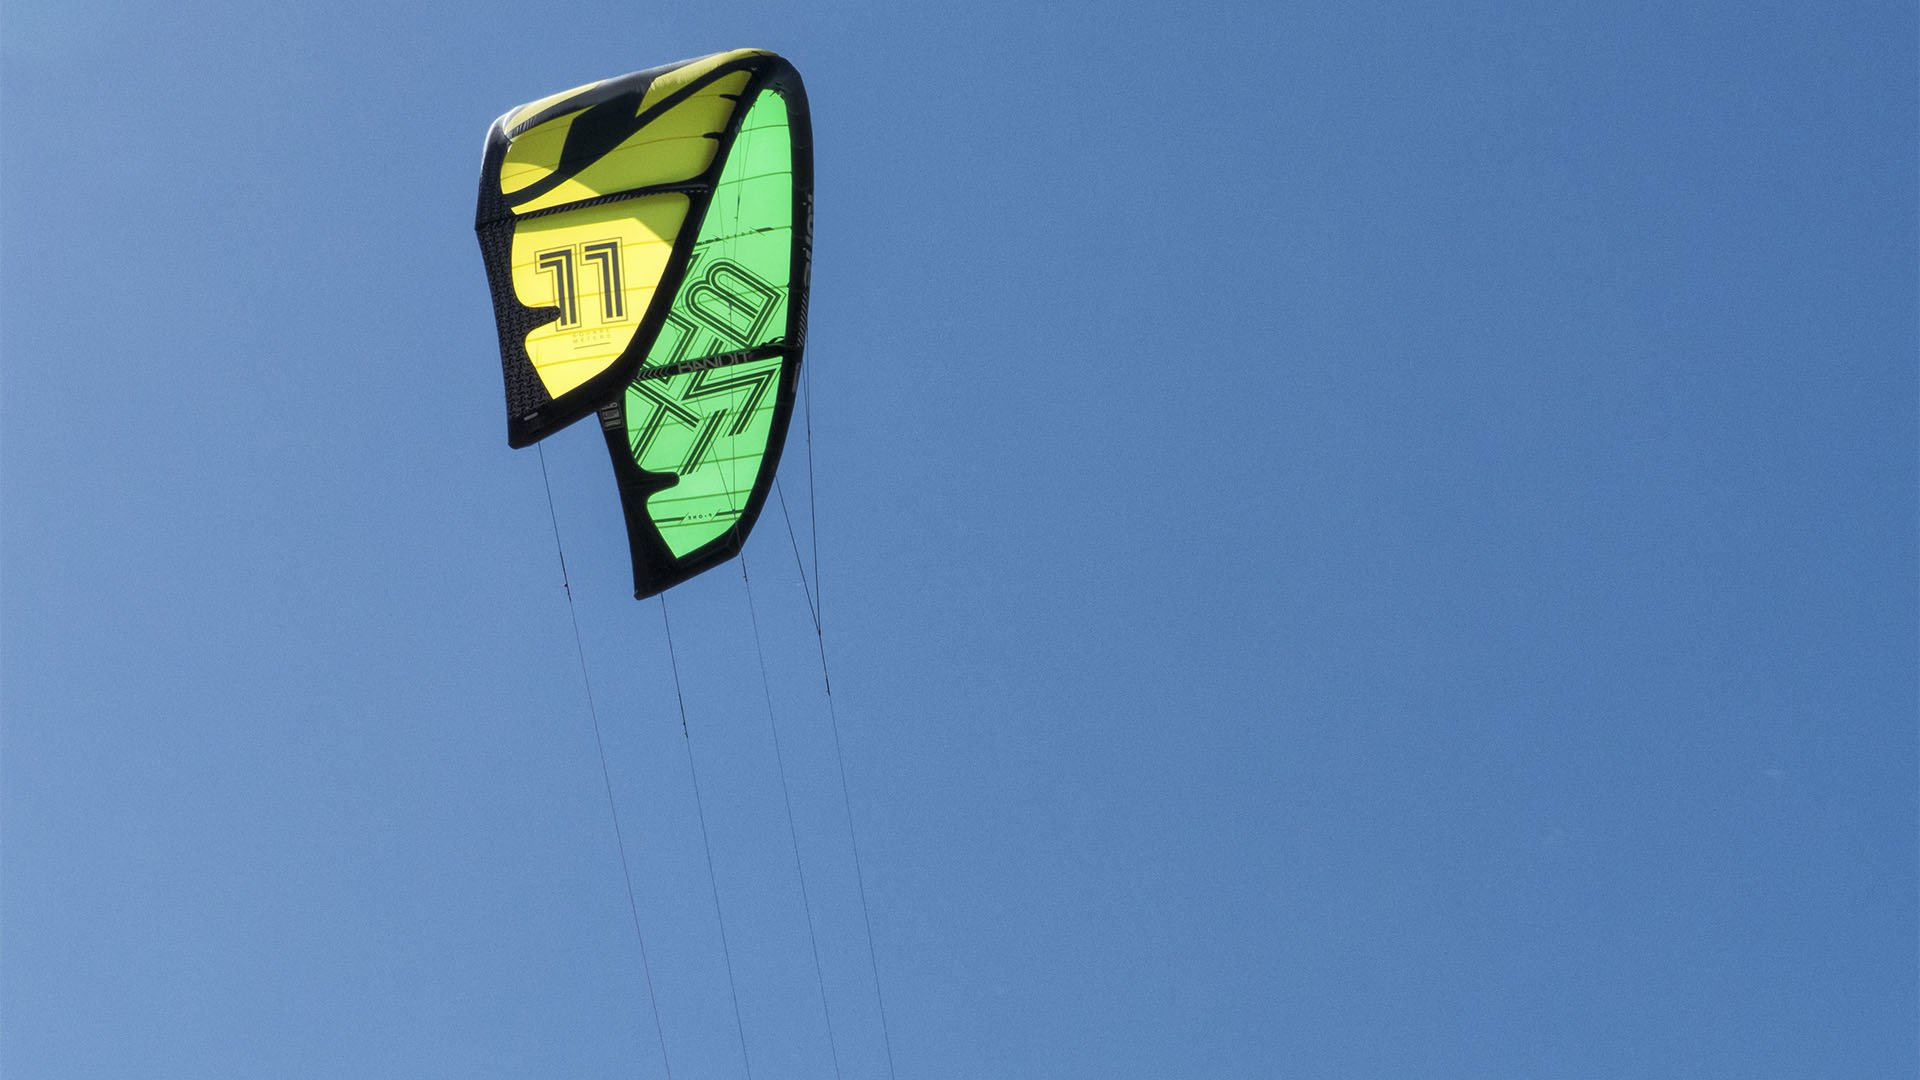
(1355, 540)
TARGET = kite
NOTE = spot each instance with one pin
(647, 239)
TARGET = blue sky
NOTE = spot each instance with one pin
(1355, 540)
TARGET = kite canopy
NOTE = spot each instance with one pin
(647, 241)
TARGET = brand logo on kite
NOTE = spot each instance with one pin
(717, 332)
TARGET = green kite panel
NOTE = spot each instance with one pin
(696, 436)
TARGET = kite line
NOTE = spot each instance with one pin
(606, 777)
(814, 593)
(686, 740)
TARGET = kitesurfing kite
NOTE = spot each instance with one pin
(647, 240)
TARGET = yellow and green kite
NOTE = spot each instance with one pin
(647, 239)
